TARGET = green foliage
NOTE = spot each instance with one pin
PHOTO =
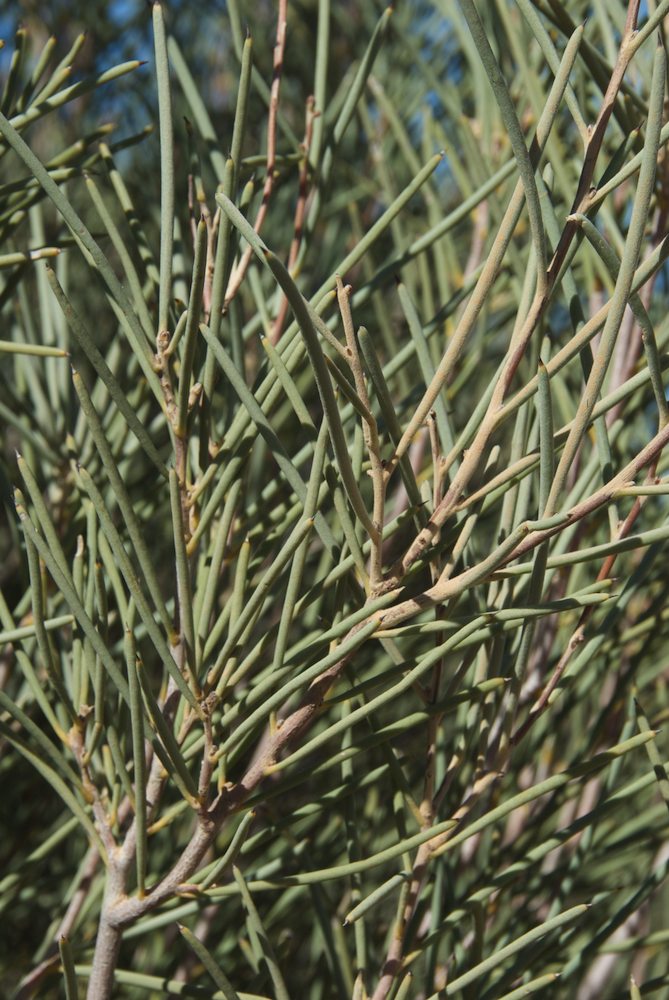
(334, 595)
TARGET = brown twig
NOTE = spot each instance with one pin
(238, 274)
(300, 213)
(371, 436)
(578, 636)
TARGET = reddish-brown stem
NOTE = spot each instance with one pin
(300, 212)
(578, 635)
(238, 274)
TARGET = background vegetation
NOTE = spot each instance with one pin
(334, 589)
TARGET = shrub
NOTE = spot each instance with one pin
(334, 601)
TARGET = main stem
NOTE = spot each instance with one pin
(109, 936)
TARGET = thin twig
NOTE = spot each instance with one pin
(300, 212)
(238, 274)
